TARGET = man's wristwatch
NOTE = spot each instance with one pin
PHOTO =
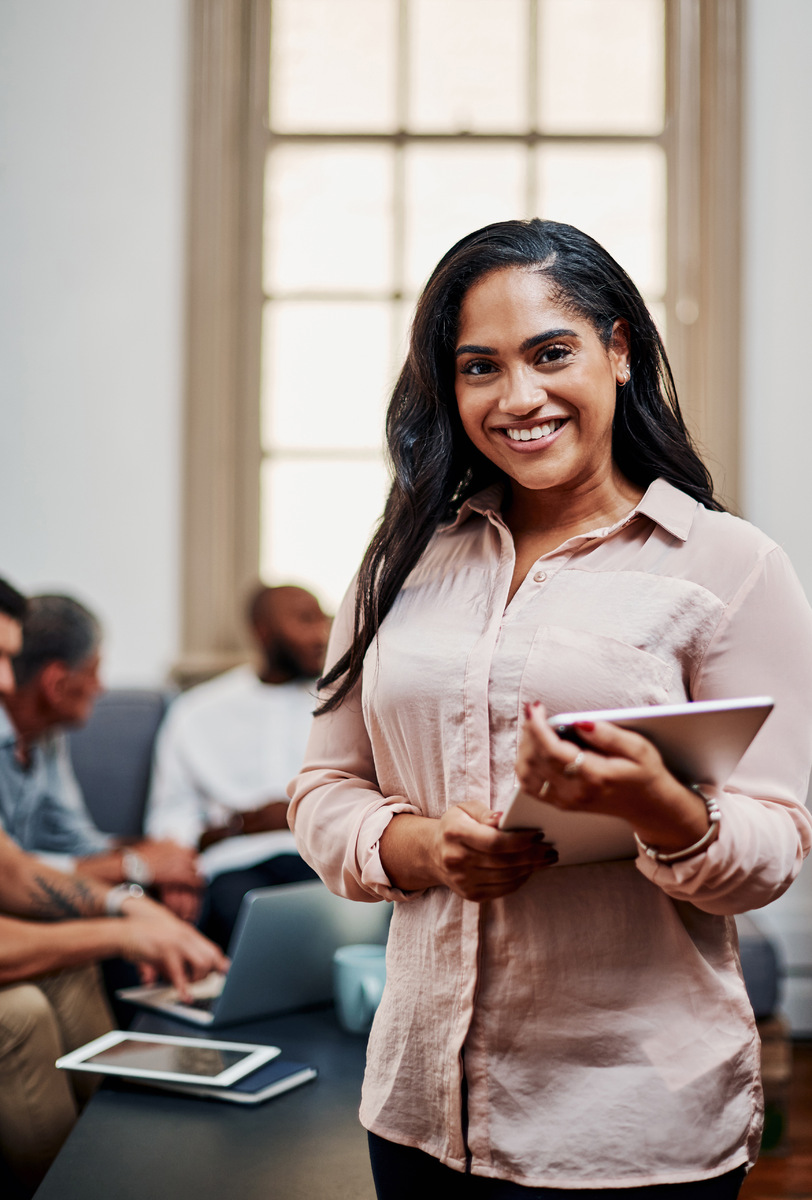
(115, 898)
(136, 868)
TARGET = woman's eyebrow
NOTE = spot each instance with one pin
(530, 342)
(473, 350)
(526, 345)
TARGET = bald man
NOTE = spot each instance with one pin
(225, 754)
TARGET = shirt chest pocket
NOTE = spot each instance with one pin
(575, 670)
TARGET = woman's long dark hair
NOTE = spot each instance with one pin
(436, 467)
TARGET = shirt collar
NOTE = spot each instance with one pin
(670, 508)
(663, 503)
(489, 500)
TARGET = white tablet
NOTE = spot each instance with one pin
(700, 743)
(170, 1058)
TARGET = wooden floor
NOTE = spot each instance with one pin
(789, 1175)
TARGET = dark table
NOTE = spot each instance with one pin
(132, 1143)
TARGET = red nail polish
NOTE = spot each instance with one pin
(526, 711)
(587, 726)
(536, 704)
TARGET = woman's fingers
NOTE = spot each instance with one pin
(543, 754)
(610, 770)
(479, 861)
(613, 741)
(477, 837)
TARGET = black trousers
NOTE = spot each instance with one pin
(401, 1173)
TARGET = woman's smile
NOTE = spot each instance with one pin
(536, 437)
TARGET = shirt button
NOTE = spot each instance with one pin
(540, 576)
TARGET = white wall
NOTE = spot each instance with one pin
(776, 333)
(92, 171)
(777, 273)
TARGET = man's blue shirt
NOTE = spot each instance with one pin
(41, 805)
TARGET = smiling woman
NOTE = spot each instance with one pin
(540, 405)
(438, 465)
(551, 541)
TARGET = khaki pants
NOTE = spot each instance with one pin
(39, 1021)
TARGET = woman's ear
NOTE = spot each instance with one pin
(620, 351)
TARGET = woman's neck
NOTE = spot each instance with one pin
(557, 515)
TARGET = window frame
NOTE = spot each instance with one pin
(229, 84)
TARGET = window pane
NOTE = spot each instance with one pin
(333, 65)
(325, 374)
(328, 217)
(452, 190)
(601, 66)
(468, 65)
(316, 520)
(617, 195)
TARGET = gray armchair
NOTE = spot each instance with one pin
(112, 756)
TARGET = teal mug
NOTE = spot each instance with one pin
(359, 973)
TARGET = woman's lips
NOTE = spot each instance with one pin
(531, 438)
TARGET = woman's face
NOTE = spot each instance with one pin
(535, 385)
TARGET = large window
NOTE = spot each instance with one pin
(349, 143)
(395, 127)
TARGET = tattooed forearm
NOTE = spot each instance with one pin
(63, 901)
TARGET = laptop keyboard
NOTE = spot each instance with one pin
(204, 1003)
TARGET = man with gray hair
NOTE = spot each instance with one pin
(41, 806)
(54, 928)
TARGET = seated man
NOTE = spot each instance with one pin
(53, 928)
(226, 751)
(41, 806)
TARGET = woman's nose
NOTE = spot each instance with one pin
(523, 392)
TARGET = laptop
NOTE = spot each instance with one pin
(281, 956)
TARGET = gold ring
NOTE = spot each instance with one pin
(544, 789)
(572, 768)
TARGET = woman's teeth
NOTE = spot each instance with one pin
(538, 431)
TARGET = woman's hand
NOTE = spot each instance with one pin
(480, 862)
(462, 850)
(620, 773)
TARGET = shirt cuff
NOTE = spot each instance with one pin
(373, 875)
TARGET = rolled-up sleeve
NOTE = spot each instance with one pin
(337, 811)
(762, 646)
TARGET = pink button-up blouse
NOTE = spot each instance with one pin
(598, 1014)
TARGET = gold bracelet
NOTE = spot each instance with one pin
(714, 816)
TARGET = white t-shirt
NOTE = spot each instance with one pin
(229, 745)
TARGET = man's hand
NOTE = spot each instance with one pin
(184, 902)
(269, 817)
(161, 944)
(171, 865)
(168, 863)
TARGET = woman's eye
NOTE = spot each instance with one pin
(477, 367)
(553, 354)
